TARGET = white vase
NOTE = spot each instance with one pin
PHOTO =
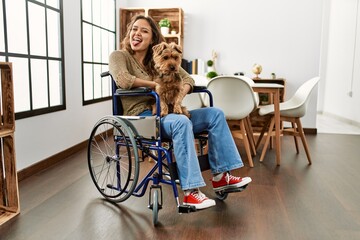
(164, 30)
(211, 69)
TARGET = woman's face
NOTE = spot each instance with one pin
(140, 35)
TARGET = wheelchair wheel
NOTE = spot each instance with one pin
(113, 158)
(155, 207)
(221, 195)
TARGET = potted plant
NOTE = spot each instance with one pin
(211, 75)
(164, 26)
(210, 65)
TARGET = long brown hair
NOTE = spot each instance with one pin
(157, 38)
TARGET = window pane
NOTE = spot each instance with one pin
(2, 58)
(104, 14)
(41, 1)
(88, 82)
(37, 30)
(111, 16)
(87, 42)
(106, 82)
(86, 10)
(21, 84)
(96, 44)
(53, 3)
(96, 17)
(104, 46)
(97, 81)
(39, 83)
(55, 83)
(53, 29)
(16, 26)
(111, 42)
(2, 41)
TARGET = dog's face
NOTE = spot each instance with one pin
(167, 57)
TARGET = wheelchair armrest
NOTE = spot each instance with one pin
(205, 91)
(199, 88)
(120, 91)
(105, 74)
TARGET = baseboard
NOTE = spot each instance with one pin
(50, 161)
(310, 130)
(340, 118)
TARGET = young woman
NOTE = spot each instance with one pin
(133, 67)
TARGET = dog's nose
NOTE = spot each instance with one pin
(172, 67)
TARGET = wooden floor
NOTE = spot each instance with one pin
(292, 201)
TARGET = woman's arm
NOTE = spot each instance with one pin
(126, 72)
(144, 83)
(188, 82)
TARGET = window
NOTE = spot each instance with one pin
(31, 37)
(98, 41)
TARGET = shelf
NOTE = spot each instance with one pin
(5, 132)
(9, 191)
(175, 15)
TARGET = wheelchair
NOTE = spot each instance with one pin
(119, 144)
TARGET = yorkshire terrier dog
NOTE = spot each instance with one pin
(167, 59)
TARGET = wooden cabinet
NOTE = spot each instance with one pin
(257, 121)
(9, 192)
(175, 15)
(264, 98)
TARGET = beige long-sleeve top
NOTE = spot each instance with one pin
(124, 68)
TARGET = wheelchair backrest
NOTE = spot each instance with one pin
(147, 127)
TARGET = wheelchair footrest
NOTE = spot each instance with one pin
(186, 209)
(231, 190)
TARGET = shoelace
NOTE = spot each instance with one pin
(198, 195)
(229, 177)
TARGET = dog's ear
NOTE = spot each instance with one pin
(176, 47)
(159, 47)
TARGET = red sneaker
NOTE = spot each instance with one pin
(228, 181)
(198, 199)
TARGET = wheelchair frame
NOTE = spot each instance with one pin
(113, 157)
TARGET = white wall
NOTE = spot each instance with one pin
(342, 68)
(282, 35)
(38, 138)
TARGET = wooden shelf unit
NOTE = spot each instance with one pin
(175, 15)
(9, 191)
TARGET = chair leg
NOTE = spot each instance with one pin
(294, 126)
(267, 123)
(246, 142)
(268, 136)
(250, 135)
(303, 139)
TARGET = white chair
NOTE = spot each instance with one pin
(234, 95)
(196, 100)
(290, 111)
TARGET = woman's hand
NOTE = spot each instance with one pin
(144, 83)
(186, 89)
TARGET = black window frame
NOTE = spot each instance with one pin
(49, 109)
(103, 98)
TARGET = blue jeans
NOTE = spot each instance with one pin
(223, 153)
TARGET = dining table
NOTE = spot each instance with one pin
(274, 90)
